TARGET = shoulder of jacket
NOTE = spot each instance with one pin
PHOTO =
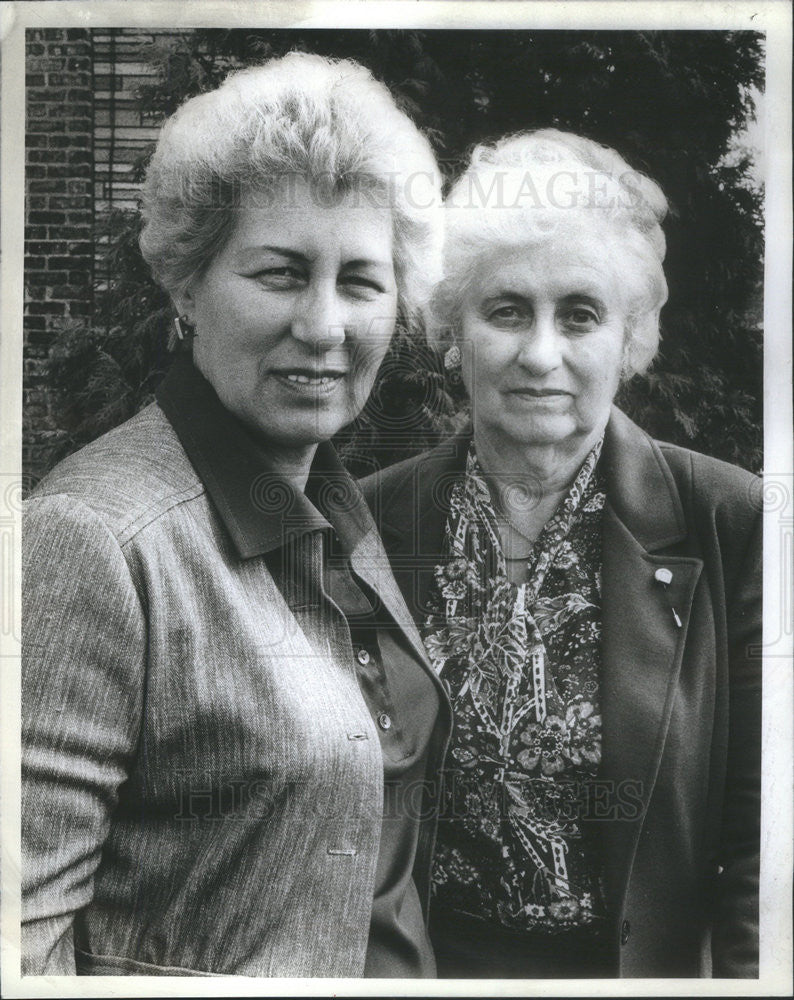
(731, 494)
(448, 454)
(128, 477)
(388, 478)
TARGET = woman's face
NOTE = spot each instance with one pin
(294, 315)
(543, 329)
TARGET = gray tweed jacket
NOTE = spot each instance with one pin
(202, 780)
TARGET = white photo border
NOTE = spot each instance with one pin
(774, 19)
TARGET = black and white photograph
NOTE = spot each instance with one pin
(396, 502)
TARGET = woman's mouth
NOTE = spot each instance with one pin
(304, 381)
(311, 379)
(540, 394)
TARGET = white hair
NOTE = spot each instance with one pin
(326, 120)
(517, 191)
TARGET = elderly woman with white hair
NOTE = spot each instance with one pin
(589, 597)
(222, 686)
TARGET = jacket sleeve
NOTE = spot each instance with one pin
(83, 659)
(735, 931)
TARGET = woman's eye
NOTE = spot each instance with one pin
(582, 318)
(281, 277)
(362, 284)
(505, 315)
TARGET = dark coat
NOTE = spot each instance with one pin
(681, 705)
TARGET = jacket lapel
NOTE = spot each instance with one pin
(642, 642)
(370, 562)
(411, 514)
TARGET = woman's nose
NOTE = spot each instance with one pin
(320, 318)
(540, 350)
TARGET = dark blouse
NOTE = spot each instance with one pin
(522, 664)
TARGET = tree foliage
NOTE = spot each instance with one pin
(671, 102)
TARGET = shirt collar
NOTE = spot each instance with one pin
(260, 508)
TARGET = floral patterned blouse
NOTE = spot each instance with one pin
(522, 663)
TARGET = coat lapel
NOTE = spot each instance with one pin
(410, 509)
(642, 643)
(370, 562)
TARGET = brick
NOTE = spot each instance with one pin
(77, 232)
(35, 292)
(47, 218)
(33, 80)
(81, 247)
(79, 63)
(51, 65)
(46, 156)
(45, 278)
(34, 49)
(42, 124)
(39, 338)
(83, 277)
(76, 34)
(71, 113)
(71, 202)
(53, 170)
(46, 308)
(47, 247)
(80, 49)
(79, 112)
(34, 263)
(62, 141)
(81, 170)
(85, 125)
(67, 262)
(65, 79)
(36, 233)
(35, 141)
(33, 171)
(81, 308)
(80, 156)
(35, 95)
(78, 186)
(47, 186)
(67, 292)
(36, 111)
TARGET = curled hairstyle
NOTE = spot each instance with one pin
(521, 189)
(327, 121)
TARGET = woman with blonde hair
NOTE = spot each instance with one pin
(221, 681)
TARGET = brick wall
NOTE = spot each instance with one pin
(86, 134)
(59, 213)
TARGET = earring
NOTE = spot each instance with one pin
(452, 358)
(183, 328)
